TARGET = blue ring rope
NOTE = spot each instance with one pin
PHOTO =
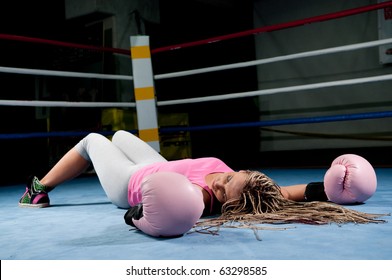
(335, 118)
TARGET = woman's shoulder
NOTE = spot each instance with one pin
(208, 159)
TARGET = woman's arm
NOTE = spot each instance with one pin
(294, 192)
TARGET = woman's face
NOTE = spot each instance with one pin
(229, 185)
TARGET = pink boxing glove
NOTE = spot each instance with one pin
(350, 179)
(170, 206)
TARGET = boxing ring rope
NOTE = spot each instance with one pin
(346, 48)
(276, 27)
(199, 71)
(68, 74)
(277, 90)
(37, 103)
(281, 26)
(62, 44)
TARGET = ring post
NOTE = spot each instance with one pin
(143, 80)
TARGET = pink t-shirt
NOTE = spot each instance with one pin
(194, 169)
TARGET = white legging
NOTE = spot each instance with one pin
(115, 161)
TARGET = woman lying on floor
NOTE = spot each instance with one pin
(209, 187)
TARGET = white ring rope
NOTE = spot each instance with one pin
(277, 90)
(199, 99)
(276, 59)
(36, 103)
(201, 70)
(197, 71)
(63, 73)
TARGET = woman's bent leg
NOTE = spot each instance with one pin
(68, 167)
(136, 149)
(114, 163)
(113, 168)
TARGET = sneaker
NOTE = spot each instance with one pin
(35, 196)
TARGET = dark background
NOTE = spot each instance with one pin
(180, 21)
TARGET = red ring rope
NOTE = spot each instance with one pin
(62, 44)
(255, 31)
(275, 27)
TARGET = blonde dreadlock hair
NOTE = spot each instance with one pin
(261, 201)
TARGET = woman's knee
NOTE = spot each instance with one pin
(119, 134)
(92, 137)
(84, 145)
